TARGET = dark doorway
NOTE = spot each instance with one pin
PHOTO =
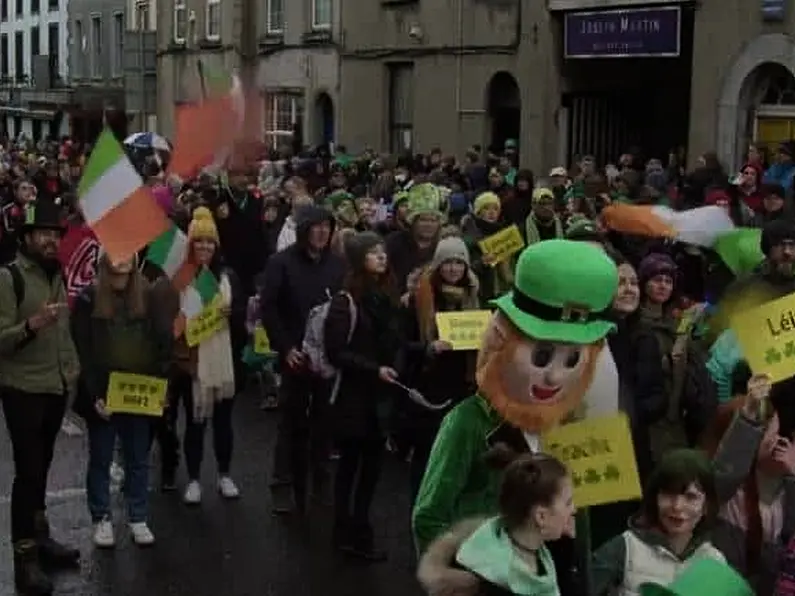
(504, 107)
(324, 119)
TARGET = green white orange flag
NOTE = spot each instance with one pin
(169, 252)
(115, 203)
(199, 294)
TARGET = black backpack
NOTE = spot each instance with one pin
(17, 282)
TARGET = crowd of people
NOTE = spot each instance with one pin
(371, 248)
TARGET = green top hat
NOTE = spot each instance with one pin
(705, 576)
(561, 289)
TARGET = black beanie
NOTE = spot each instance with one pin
(776, 232)
(358, 245)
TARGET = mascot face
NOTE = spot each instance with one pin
(534, 385)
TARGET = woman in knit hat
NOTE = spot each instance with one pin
(439, 373)
(542, 223)
(205, 381)
(484, 221)
(362, 341)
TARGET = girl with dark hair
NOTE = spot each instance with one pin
(362, 341)
(506, 554)
(670, 532)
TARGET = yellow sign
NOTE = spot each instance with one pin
(503, 244)
(600, 455)
(463, 329)
(204, 325)
(767, 337)
(136, 394)
(262, 345)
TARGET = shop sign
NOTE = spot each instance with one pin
(630, 33)
(773, 10)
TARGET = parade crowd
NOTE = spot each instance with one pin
(342, 262)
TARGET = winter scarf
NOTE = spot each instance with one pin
(454, 297)
(531, 228)
(215, 373)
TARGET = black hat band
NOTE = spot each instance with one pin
(569, 313)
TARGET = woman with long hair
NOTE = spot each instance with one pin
(116, 329)
(362, 342)
(205, 377)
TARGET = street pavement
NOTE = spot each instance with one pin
(220, 548)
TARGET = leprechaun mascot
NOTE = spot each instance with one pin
(543, 362)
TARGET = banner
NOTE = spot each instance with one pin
(463, 329)
(136, 394)
(79, 255)
(503, 244)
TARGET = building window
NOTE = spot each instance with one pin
(34, 7)
(118, 43)
(321, 14)
(4, 64)
(19, 56)
(3, 10)
(20, 8)
(52, 5)
(282, 112)
(78, 45)
(275, 17)
(401, 107)
(213, 20)
(142, 15)
(180, 21)
(96, 47)
(35, 42)
(53, 39)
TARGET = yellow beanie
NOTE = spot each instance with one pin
(486, 199)
(203, 226)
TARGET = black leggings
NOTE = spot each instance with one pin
(193, 443)
(358, 472)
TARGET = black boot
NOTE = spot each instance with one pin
(29, 577)
(341, 538)
(363, 546)
(51, 552)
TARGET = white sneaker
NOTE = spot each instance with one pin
(141, 534)
(193, 493)
(228, 488)
(103, 534)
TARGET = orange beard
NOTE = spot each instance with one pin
(536, 417)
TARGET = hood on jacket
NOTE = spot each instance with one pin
(308, 216)
(654, 537)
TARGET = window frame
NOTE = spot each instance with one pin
(208, 35)
(143, 8)
(79, 32)
(317, 26)
(180, 8)
(269, 28)
(55, 8)
(117, 45)
(272, 133)
(95, 63)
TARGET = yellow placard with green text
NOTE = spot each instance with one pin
(601, 457)
(766, 335)
(206, 324)
(503, 244)
(262, 344)
(463, 329)
(136, 394)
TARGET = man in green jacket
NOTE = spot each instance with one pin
(38, 370)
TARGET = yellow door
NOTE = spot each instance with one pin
(771, 132)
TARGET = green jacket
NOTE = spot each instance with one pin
(457, 482)
(48, 362)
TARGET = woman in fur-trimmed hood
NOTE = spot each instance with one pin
(441, 374)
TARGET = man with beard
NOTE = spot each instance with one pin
(38, 368)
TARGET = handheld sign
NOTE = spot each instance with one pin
(262, 345)
(767, 337)
(600, 454)
(463, 330)
(503, 244)
(204, 325)
(136, 394)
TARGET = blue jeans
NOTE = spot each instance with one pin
(134, 436)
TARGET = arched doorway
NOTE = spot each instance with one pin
(504, 107)
(324, 119)
(758, 77)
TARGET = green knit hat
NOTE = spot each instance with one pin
(335, 199)
(425, 199)
(560, 291)
(702, 577)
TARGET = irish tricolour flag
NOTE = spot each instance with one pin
(195, 298)
(115, 202)
(169, 252)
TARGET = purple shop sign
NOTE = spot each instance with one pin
(631, 33)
